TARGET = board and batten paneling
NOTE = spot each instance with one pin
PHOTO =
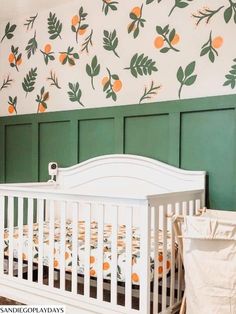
(197, 134)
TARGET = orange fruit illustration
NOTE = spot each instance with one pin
(92, 259)
(41, 108)
(18, 62)
(82, 31)
(47, 48)
(175, 40)
(217, 42)
(105, 80)
(56, 263)
(75, 20)
(160, 258)
(135, 277)
(158, 42)
(62, 57)
(106, 266)
(11, 109)
(11, 58)
(92, 272)
(117, 85)
(160, 270)
(168, 264)
(136, 11)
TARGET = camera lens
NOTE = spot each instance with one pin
(53, 166)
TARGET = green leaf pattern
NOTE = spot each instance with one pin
(121, 41)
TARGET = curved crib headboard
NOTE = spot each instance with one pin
(122, 175)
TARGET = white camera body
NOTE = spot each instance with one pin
(52, 169)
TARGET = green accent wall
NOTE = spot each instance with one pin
(196, 134)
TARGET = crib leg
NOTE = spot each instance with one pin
(183, 305)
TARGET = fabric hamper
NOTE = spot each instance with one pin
(210, 262)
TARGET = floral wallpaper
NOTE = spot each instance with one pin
(87, 54)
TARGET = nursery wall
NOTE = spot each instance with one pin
(173, 53)
(192, 134)
(84, 54)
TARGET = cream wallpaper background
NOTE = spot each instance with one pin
(140, 51)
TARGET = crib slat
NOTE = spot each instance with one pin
(100, 253)
(191, 208)
(62, 245)
(164, 283)
(114, 255)
(51, 242)
(75, 209)
(128, 254)
(197, 205)
(30, 239)
(87, 252)
(145, 218)
(179, 264)
(172, 271)
(20, 231)
(40, 214)
(2, 220)
(156, 259)
(11, 231)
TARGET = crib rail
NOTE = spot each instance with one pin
(40, 232)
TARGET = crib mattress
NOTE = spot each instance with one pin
(121, 259)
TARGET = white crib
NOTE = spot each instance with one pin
(110, 206)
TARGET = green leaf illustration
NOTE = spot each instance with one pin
(141, 65)
(29, 81)
(41, 99)
(87, 42)
(230, 12)
(185, 77)
(54, 26)
(110, 41)
(31, 46)
(54, 80)
(75, 93)
(231, 76)
(168, 36)
(30, 22)
(78, 26)
(210, 47)
(106, 6)
(149, 93)
(206, 14)
(6, 83)
(137, 22)
(68, 56)
(93, 69)
(150, 1)
(111, 85)
(9, 29)
(15, 57)
(180, 4)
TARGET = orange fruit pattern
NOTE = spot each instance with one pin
(217, 42)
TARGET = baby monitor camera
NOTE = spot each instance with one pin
(52, 170)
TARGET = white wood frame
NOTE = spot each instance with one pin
(155, 190)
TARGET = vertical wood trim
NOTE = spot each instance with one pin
(2, 153)
(119, 123)
(35, 151)
(234, 150)
(74, 141)
(174, 142)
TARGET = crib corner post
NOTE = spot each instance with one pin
(145, 233)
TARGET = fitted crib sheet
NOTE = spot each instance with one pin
(121, 258)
